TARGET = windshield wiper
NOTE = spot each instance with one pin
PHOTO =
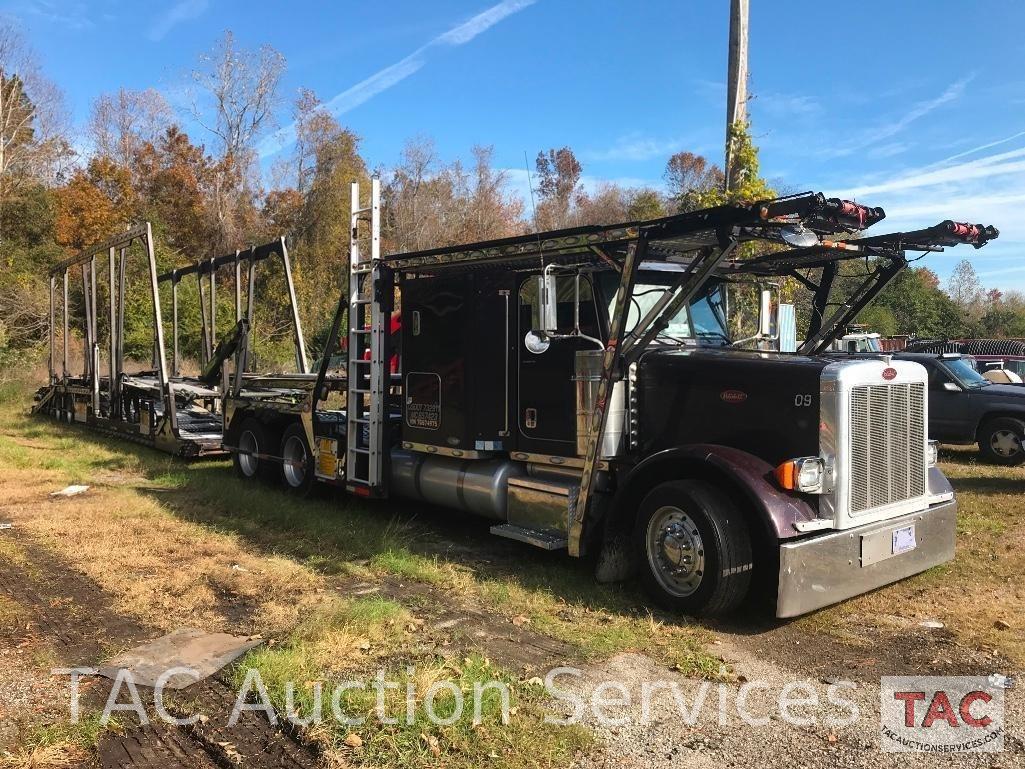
(671, 338)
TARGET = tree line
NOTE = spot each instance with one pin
(206, 194)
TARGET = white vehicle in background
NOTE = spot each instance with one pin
(858, 341)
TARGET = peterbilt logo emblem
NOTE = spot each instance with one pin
(889, 373)
(733, 396)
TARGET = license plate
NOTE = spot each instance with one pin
(904, 540)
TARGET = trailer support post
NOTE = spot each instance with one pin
(52, 362)
(158, 327)
(111, 330)
(64, 309)
(175, 362)
(297, 329)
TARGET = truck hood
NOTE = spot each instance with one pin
(1004, 390)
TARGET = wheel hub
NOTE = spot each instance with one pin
(1005, 443)
(676, 551)
(247, 447)
(295, 462)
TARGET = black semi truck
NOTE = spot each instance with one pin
(584, 389)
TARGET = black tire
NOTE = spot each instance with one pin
(252, 438)
(1000, 441)
(296, 479)
(708, 529)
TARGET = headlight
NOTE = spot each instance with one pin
(932, 453)
(805, 474)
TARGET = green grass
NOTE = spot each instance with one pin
(61, 743)
(351, 539)
(342, 535)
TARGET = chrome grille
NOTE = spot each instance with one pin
(887, 445)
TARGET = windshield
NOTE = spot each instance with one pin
(964, 372)
(704, 320)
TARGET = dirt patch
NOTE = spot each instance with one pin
(446, 623)
(708, 731)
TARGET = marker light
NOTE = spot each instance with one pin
(805, 474)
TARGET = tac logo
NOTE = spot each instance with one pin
(733, 396)
(941, 714)
(889, 374)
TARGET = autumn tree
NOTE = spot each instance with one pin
(965, 289)
(558, 180)
(607, 203)
(123, 122)
(688, 178)
(646, 203)
(33, 132)
(487, 209)
(94, 204)
(418, 200)
(236, 95)
(176, 188)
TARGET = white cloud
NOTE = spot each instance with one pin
(180, 12)
(483, 21)
(980, 148)
(1003, 163)
(635, 147)
(395, 73)
(786, 105)
(884, 131)
(73, 14)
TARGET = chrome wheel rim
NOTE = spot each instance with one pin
(1004, 443)
(676, 552)
(294, 454)
(247, 447)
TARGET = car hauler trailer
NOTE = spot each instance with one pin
(581, 387)
(158, 407)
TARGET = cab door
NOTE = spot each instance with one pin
(950, 411)
(546, 395)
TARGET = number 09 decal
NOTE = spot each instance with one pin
(802, 400)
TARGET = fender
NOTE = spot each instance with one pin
(751, 476)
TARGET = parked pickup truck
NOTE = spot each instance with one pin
(966, 408)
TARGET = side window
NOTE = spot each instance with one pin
(566, 287)
(937, 378)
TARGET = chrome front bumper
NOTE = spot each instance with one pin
(826, 569)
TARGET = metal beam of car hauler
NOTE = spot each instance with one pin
(634, 256)
(297, 328)
(166, 387)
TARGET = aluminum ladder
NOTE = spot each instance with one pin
(367, 373)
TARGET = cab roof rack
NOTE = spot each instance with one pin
(889, 251)
(668, 238)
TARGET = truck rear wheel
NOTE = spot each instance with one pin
(297, 474)
(252, 440)
(1000, 441)
(694, 548)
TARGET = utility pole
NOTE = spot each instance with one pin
(736, 84)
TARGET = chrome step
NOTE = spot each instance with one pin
(546, 540)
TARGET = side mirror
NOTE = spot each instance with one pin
(952, 387)
(766, 321)
(537, 342)
(786, 328)
(548, 291)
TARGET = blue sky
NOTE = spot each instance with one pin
(916, 106)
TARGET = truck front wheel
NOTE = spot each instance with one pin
(694, 548)
(1000, 441)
